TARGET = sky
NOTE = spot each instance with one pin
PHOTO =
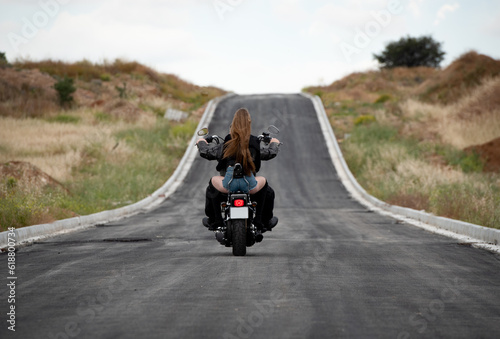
(244, 46)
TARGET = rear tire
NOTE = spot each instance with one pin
(239, 236)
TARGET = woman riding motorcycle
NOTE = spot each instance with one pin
(239, 147)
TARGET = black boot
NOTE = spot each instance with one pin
(270, 224)
(260, 199)
(213, 199)
(268, 218)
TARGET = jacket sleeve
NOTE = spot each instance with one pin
(254, 146)
(211, 151)
(268, 152)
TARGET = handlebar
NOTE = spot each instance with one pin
(265, 137)
(210, 138)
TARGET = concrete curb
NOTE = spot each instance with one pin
(29, 234)
(458, 229)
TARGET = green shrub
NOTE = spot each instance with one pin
(364, 120)
(103, 117)
(65, 119)
(105, 77)
(471, 163)
(158, 110)
(185, 130)
(22, 205)
(468, 162)
(10, 183)
(373, 133)
(3, 60)
(122, 91)
(383, 98)
(65, 90)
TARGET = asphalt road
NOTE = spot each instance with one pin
(329, 269)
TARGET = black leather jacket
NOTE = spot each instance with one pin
(260, 152)
(254, 146)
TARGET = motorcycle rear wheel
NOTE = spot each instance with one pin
(239, 237)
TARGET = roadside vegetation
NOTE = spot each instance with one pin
(424, 138)
(81, 138)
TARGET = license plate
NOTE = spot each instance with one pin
(239, 213)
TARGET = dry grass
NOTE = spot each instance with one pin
(369, 86)
(111, 147)
(86, 70)
(58, 147)
(398, 172)
(26, 93)
(459, 78)
(26, 88)
(473, 120)
(25, 203)
(169, 85)
(416, 152)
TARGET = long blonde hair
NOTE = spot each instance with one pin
(237, 147)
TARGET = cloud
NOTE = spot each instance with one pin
(492, 27)
(414, 6)
(342, 20)
(289, 10)
(441, 14)
(113, 29)
(334, 22)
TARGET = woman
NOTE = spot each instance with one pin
(243, 148)
(240, 147)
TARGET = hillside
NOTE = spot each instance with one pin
(27, 88)
(465, 96)
(424, 138)
(107, 148)
(459, 78)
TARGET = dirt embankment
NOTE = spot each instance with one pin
(490, 153)
(28, 175)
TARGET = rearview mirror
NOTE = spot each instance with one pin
(202, 132)
(273, 129)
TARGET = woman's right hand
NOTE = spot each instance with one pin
(201, 139)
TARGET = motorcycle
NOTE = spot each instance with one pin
(238, 211)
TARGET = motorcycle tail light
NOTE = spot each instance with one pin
(239, 203)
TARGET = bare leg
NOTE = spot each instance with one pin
(217, 182)
(261, 182)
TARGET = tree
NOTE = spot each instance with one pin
(3, 59)
(411, 52)
(65, 89)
